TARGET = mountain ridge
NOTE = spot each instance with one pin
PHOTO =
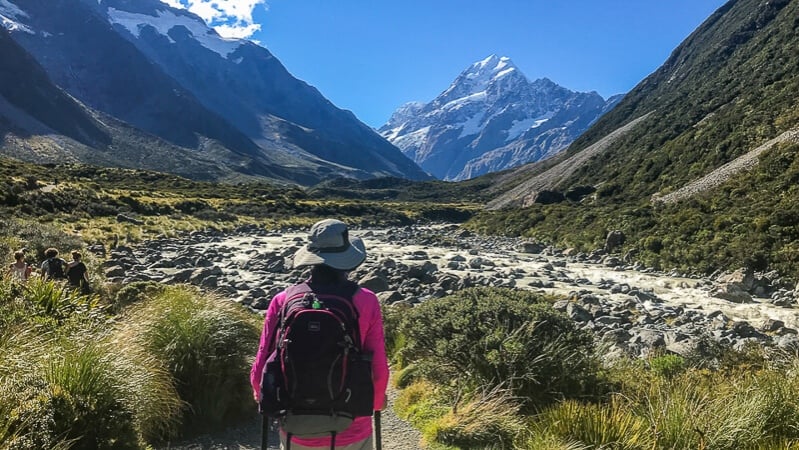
(100, 64)
(490, 118)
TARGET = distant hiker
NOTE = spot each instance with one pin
(77, 273)
(53, 266)
(19, 269)
(314, 370)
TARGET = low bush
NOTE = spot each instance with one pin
(668, 366)
(56, 300)
(487, 337)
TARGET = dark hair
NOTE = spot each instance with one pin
(324, 274)
(19, 255)
(76, 255)
(50, 253)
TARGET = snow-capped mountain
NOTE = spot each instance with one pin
(491, 118)
(164, 71)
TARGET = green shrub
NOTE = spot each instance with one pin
(668, 366)
(490, 337)
(206, 344)
(133, 293)
(406, 376)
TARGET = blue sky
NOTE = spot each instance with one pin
(372, 56)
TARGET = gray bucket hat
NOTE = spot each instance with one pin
(331, 245)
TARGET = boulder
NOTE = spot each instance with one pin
(614, 240)
(732, 292)
(531, 247)
(374, 282)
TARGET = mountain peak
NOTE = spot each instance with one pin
(489, 69)
(491, 118)
(480, 76)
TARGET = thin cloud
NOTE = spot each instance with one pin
(230, 18)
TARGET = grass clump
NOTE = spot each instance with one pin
(592, 425)
(205, 344)
(486, 420)
(76, 390)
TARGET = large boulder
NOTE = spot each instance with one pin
(614, 240)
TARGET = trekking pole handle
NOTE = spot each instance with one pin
(378, 432)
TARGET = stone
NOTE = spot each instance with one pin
(374, 282)
(614, 240)
(732, 292)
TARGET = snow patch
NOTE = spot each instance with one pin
(9, 9)
(502, 73)
(518, 127)
(10, 16)
(460, 102)
(472, 126)
(392, 134)
(415, 139)
(166, 20)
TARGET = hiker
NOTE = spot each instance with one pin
(19, 269)
(53, 266)
(331, 254)
(77, 273)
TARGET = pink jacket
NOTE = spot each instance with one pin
(371, 328)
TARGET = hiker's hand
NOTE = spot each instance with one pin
(256, 394)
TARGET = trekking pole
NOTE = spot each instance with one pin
(378, 432)
(265, 433)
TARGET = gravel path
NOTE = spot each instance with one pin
(397, 434)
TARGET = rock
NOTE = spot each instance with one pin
(97, 249)
(389, 297)
(732, 292)
(744, 329)
(648, 339)
(578, 313)
(127, 219)
(115, 271)
(614, 240)
(531, 247)
(684, 348)
(772, 325)
(476, 263)
(374, 282)
(199, 276)
(744, 278)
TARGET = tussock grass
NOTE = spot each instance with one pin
(55, 299)
(80, 389)
(206, 345)
(612, 424)
(488, 419)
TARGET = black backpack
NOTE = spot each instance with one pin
(317, 379)
(55, 268)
